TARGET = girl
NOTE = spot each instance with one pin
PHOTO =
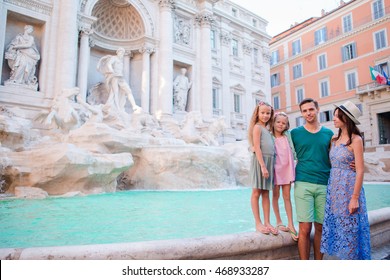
(346, 231)
(261, 169)
(284, 171)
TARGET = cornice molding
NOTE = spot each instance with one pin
(43, 8)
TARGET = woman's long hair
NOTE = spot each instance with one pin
(350, 125)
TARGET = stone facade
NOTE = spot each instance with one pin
(229, 71)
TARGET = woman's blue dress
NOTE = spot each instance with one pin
(344, 235)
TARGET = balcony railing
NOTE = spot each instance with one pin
(238, 119)
(371, 89)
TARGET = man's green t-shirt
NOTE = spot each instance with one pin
(312, 150)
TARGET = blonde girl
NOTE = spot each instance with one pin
(284, 169)
(262, 164)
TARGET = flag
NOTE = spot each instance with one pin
(386, 77)
(378, 77)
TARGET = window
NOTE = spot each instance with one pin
(348, 52)
(380, 40)
(384, 127)
(254, 23)
(299, 94)
(256, 56)
(322, 62)
(326, 116)
(274, 57)
(297, 71)
(275, 80)
(347, 23)
(382, 67)
(235, 47)
(320, 36)
(351, 80)
(296, 47)
(215, 98)
(276, 101)
(377, 9)
(213, 42)
(300, 121)
(234, 12)
(324, 88)
(237, 103)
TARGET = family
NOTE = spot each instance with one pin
(327, 172)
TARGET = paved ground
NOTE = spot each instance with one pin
(377, 253)
(381, 253)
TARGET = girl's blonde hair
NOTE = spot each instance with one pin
(255, 119)
(272, 125)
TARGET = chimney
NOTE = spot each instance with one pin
(342, 3)
(322, 12)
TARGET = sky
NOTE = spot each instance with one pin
(280, 14)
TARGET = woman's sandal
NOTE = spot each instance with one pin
(282, 228)
(294, 235)
(273, 230)
(264, 230)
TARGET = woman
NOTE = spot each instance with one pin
(23, 57)
(346, 231)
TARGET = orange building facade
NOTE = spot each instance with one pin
(329, 58)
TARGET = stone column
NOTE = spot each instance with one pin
(84, 56)
(165, 91)
(248, 102)
(227, 99)
(127, 65)
(145, 86)
(67, 34)
(204, 19)
(266, 55)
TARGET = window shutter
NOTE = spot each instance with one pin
(354, 51)
(343, 54)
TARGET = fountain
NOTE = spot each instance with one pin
(77, 147)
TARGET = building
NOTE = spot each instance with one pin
(329, 58)
(224, 48)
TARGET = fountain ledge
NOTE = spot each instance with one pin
(240, 246)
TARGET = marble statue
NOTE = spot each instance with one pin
(63, 111)
(181, 86)
(111, 66)
(94, 112)
(23, 56)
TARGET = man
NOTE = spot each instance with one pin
(112, 68)
(312, 143)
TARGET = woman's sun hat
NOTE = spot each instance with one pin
(351, 110)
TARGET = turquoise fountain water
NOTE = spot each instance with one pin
(133, 216)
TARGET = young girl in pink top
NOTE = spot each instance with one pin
(284, 169)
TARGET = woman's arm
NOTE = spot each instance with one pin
(357, 148)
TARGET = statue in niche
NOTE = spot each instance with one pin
(111, 66)
(23, 56)
(181, 86)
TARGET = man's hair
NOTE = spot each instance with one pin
(308, 100)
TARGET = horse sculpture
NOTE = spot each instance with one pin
(194, 130)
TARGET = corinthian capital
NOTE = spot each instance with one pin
(167, 3)
(225, 38)
(85, 30)
(247, 48)
(205, 18)
(146, 49)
